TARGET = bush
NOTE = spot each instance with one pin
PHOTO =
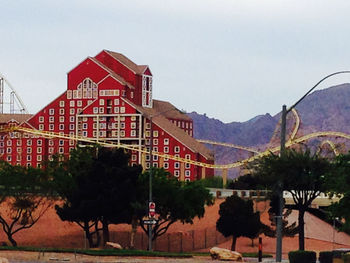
(300, 256)
(346, 257)
(326, 257)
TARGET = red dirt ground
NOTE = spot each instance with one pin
(50, 231)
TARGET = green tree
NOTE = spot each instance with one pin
(23, 198)
(338, 181)
(175, 200)
(237, 219)
(302, 174)
(98, 187)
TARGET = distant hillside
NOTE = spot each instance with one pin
(323, 110)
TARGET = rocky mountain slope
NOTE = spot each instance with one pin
(323, 110)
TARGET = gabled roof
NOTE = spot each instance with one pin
(6, 117)
(138, 69)
(158, 117)
(112, 73)
(167, 110)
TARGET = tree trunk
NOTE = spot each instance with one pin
(10, 238)
(301, 229)
(88, 234)
(233, 246)
(105, 231)
(252, 242)
(134, 224)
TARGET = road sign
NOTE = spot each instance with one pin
(150, 222)
(151, 209)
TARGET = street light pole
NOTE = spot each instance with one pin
(150, 230)
(282, 152)
(150, 197)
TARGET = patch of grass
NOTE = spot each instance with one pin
(244, 254)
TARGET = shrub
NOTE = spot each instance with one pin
(300, 256)
(326, 257)
(346, 257)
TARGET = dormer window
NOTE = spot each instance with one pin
(147, 91)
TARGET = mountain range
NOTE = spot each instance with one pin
(322, 110)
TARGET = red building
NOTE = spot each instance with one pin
(109, 99)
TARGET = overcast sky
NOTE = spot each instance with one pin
(230, 59)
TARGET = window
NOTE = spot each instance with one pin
(116, 101)
(116, 109)
(122, 125)
(71, 118)
(176, 165)
(155, 141)
(39, 150)
(187, 173)
(41, 119)
(95, 110)
(166, 149)
(9, 159)
(51, 142)
(148, 125)
(72, 103)
(85, 134)
(133, 133)
(134, 157)
(155, 164)
(51, 119)
(41, 127)
(61, 150)
(71, 126)
(122, 109)
(155, 157)
(188, 156)
(155, 133)
(166, 141)
(101, 110)
(19, 143)
(61, 142)
(148, 142)
(50, 149)
(38, 158)
(102, 101)
(51, 111)
(9, 150)
(38, 165)
(39, 142)
(51, 127)
(19, 150)
(122, 133)
(85, 126)
(29, 142)
(79, 103)
(29, 150)
(147, 133)
(166, 165)
(71, 142)
(176, 173)
(29, 157)
(177, 149)
(9, 143)
(61, 118)
(72, 111)
(187, 165)
(133, 125)
(69, 94)
(61, 111)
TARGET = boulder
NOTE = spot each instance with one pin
(114, 245)
(225, 254)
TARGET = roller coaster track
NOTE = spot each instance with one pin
(230, 145)
(14, 98)
(171, 157)
(331, 144)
